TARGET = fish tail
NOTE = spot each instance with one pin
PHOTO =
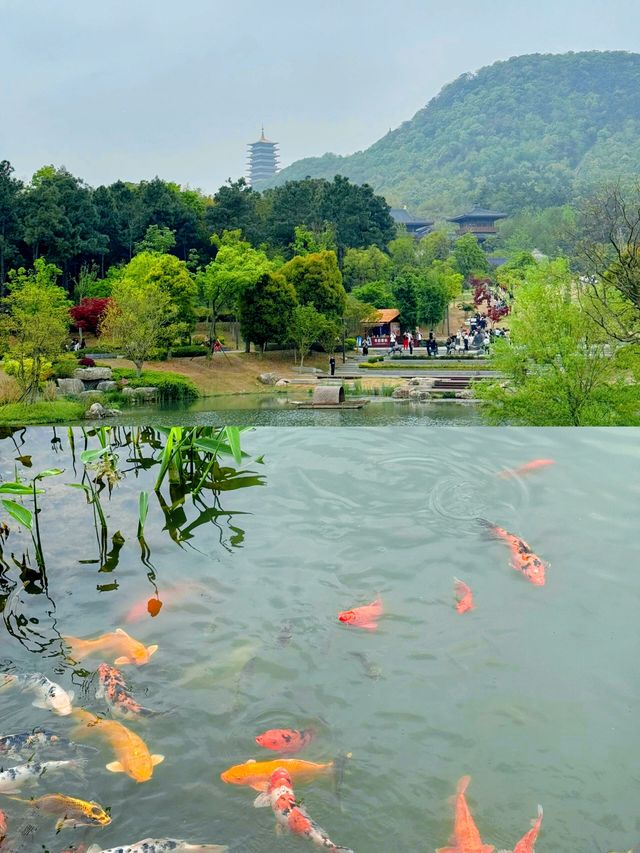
(463, 784)
(540, 816)
(485, 523)
(77, 766)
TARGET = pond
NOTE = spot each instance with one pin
(277, 410)
(534, 693)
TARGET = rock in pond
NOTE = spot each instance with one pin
(145, 393)
(97, 410)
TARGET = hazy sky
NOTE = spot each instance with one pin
(134, 88)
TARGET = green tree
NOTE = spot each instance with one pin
(37, 326)
(404, 255)
(357, 316)
(236, 207)
(405, 294)
(434, 247)
(306, 242)
(10, 230)
(469, 257)
(377, 293)
(138, 317)
(362, 266)
(235, 266)
(305, 326)
(436, 287)
(556, 367)
(317, 281)
(265, 309)
(158, 239)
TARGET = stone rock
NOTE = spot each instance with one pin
(282, 382)
(420, 394)
(144, 393)
(107, 385)
(268, 378)
(97, 410)
(402, 393)
(306, 370)
(91, 393)
(465, 394)
(93, 374)
(70, 386)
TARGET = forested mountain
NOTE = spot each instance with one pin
(534, 131)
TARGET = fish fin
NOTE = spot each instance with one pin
(122, 660)
(448, 850)
(77, 767)
(100, 694)
(540, 814)
(39, 703)
(250, 761)
(151, 650)
(260, 786)
(262, 800)
(157, 759)
(369, 626)
(463, 784)
(71, 694)
(115, 767)
(121, 631)
(95, 848)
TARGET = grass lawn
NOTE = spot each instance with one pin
(56, 412)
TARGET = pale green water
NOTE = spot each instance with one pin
(535, 693)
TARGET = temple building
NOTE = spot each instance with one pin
(263, 160)
(416, 227)
(479, 222)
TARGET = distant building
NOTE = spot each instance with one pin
(479, 222)
(418, 228)
(263, 160)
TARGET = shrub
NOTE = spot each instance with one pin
(63, 367)
(172, 386)
(9, 390)
(12, 368)
(103, 347)
(88, 314)
(189, 351)
(85, 361)
(350, 343)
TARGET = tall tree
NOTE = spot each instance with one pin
(265, 309)
(376, 293)
(236, 206)
(362, 266)
(305, 327)
(10, 189)
(317, 281)
(469, 257)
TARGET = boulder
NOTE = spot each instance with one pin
(70, 386)
(93, 374)
(282, 382)
(268, 378)
(97, 410)
(420, 394)
(144, 393)
(90, 393)
(402, 393)
(465, 394)
(107, 385)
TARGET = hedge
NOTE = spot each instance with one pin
(432, 365)
(172, 386)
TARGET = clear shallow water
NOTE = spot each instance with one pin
(534, 694)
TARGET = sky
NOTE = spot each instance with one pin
(130, 89)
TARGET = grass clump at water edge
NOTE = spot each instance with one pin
(43, 412)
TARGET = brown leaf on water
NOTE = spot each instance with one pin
(154, 606)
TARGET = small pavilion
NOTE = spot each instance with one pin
(478, 221)
(415, 226)
(380, 330)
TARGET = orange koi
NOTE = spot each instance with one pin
(464, 597)
(528, 841)
(363, 617)
(466, 837)
(256, 774)
(116, 642)
(70, 811)
(290, 815)
(133, 756)
(113, 688)
(3, 826)
(522, 557)
(286, 741)
(534, 465)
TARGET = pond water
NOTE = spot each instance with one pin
(277, 410)
(534, 693)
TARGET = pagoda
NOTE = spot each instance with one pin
(479, 222)
(263, 160)
(415, 226)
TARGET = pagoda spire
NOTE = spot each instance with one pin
(263, 159)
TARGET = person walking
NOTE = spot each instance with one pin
(332, 366)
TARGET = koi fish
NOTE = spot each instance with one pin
(256, 774)
(3, 826)
(466, 837)
(527, 842)
(534, 465)
(113, 688)
(464, 597)
(370, 669)
(286, 741)
(49, 695)
(70, 811)
(36, 741)
(522, 557)
(133, 756)
(363, 617)
(116, 642)
(14, 778)
(159, 845)
(291, 816)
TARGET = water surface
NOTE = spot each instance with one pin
(535, 693)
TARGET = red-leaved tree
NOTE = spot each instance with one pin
(88, 314)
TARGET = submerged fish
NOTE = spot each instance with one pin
(70, 811)
(534, 465)
(466, 837)
(37, 741)
(464, 597)
(167, 596)
(159, 845)
(286, 741)
(363, 617)
(49, 695)
(256, 774)
(370, 669)
(116, 642)
(522, 557)
(291, 816)
(113, 688)
(14, 778)
(528, 841)
(133, 756)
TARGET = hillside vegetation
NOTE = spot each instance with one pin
(535, 131)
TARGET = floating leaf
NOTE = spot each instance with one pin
(107, 587)
(88, 456)
(19, 512)
(25, 460)
(18, 489)
(50, 472)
